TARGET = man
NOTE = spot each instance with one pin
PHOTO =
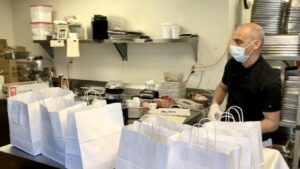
(249, 81)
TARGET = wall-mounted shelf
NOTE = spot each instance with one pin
(122, 44)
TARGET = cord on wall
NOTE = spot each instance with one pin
(68, 68)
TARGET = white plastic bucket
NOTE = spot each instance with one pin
(40, 30)
(41, 13)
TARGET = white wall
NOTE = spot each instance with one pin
(212, 20)
(6, 28)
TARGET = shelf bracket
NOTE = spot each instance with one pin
(194, 43)
(122, 49)
(46, 46)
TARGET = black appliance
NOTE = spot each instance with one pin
(100, 26)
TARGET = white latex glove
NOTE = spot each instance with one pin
(214, 112)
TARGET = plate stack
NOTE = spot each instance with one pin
(176, 90)
(281, 46)
(268, 14)
(292, 25)
(290, 99)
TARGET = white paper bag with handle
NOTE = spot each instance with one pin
(166, 123)
(57, 92)
(143, 146)
(25, 117)
(189, 150)
(93, 137)
(251, 130)
(73, 156)
(24, 122)
(245, 160)
(54, 123)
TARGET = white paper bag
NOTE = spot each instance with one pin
(24, 122)
(143, 147)
(188, 150)
(166, 123)
(25, 117)
(73, 157)
(250, 130)
(54, 122)
(93, 137)
(273, 159)
(57, 92)
(245, 159)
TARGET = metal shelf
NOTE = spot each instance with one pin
(296, 125)
(122, 44)
(281, 58)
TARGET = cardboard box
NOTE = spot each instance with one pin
(3, 43)
(12, 89)
(20, 49)
(11, 77)
(9, 68)
(2, 51)
(9, 65)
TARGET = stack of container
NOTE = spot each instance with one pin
(41, 21)
(290, 99)
(176, 90)
(268, 14)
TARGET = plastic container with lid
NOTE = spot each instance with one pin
(40, 30)
(41, 13)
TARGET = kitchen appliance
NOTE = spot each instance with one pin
(35, 68)
(100, 26)
(148, 94)
(114, 91)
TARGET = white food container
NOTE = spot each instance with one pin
(40, 30)
(41, 13)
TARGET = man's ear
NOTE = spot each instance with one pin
(257, 44)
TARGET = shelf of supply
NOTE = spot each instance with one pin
(296, 125)
(122, 44)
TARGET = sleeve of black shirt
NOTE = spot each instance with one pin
(271, 97)
(225, 74)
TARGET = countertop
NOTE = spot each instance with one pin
(14, 158)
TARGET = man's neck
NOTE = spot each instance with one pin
(251, 60)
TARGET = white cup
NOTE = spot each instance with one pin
(175, 31)
(166, 30)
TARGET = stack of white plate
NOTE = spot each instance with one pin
(268, 14)
(176, 90)
(290, 99)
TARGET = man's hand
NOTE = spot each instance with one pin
(214, 112)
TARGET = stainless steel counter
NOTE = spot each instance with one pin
(14, 158)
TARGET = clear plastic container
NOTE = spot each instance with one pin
(41, 13)
(40, 30)
(173, 76)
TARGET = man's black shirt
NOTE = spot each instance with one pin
(256, 89)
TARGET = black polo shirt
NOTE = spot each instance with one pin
(256, 89)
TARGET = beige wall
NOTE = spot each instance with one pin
(6, 28)
(212, 20)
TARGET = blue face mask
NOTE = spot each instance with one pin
(238, 53)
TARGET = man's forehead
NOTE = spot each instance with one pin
(241, 33)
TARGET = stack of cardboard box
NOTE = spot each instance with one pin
(8, 68)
